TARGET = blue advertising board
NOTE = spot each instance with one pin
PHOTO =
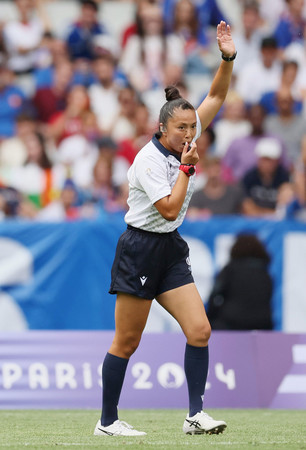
(57, 276)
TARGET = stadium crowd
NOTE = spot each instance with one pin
(76, 106)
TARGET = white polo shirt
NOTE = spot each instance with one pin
(151, 177)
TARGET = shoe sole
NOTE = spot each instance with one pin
(100, 432)
(217, 430)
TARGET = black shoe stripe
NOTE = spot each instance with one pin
(106, 432)
(194, 423)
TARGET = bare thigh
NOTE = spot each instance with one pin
(131, 315)
(185, 305)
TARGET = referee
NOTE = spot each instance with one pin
(152, 259)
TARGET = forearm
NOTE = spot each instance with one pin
(170, 206)
(221, 82)
(250, 208)
(217, 93)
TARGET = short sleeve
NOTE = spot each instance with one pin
(152, 176)
(199, 127)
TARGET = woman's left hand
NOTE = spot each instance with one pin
(224, 38)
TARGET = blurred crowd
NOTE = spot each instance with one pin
(77, 106)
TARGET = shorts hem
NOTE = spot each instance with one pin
(130, 292)
(175, 286)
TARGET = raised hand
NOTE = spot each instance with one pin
(224, 38)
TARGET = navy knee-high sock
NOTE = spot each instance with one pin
(113, 372)
(196, 368)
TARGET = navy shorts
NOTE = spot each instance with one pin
(147, 264)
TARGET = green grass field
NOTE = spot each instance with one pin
(73, 429)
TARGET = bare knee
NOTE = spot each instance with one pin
(199, 334)
(125, 345)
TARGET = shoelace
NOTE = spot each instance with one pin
(125, 424)
(206, 415)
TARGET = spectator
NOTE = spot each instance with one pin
(262, 75)
(51, 100)
(209, 12)
(75, 158)
(103, 93)
(144, 129)
(12, 100)
(12, 150)
(242, 292)
(123, 126)
(262, 183)
(63, 209)
(216, 197)
(10, 200)
(35, 178)
(287, 125)
(69, 122)
(291, 201)
(23, 36)
(102, 194)
(109, 150)
(271, 12)
(249, 38)
(288, 206)
(232, 124)
(91, 129)
(173, 75)
(136, 27)
(186, 25)
(80, 39)
(291, 26)
(288, 83)
(52, 53)
(145, 54)
(206, 149)
(240, 155)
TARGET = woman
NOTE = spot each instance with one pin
(147, 53)
(186, 25)
(242, 292)
(152, 260)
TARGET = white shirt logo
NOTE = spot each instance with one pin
(143, 280)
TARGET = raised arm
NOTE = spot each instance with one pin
(220, 85)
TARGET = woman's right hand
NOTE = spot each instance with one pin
(190, 156)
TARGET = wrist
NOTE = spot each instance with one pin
(188, 169)
(229, 58)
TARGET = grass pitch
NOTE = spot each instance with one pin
(73, 429)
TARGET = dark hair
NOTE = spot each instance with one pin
(91, 3)
(174, 101)
(45, 162)
(248, 245)
(194, 22)
(269, 42)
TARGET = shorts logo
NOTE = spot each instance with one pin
(143, 280)
(188, 263)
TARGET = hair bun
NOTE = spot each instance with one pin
(172, 93)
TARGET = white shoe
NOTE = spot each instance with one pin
(118, 428)
(202, 423)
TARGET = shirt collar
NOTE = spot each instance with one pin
(163, 149)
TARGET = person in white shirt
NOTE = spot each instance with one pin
(104, 93)
(23, 36)
(261, 75)
(248, 37)
(145, 55)
(152, 260)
